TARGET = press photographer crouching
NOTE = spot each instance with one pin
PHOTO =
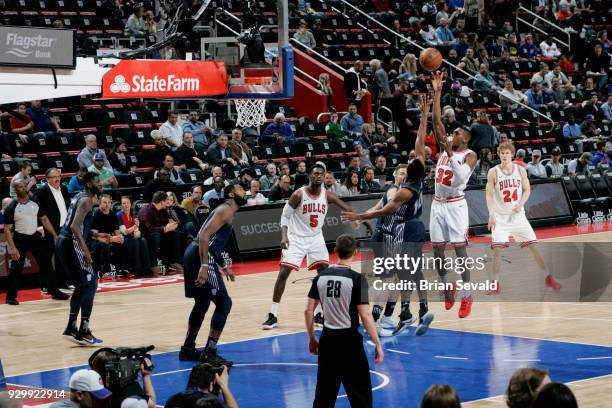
(119, 369)
(206, 386)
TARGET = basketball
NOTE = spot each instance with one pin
(430, 59)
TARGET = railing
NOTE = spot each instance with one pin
(420, 47)
(545, 21)
(388, 125)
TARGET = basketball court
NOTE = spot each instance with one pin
(476, 355)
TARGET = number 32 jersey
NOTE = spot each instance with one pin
(444, 175)
(309, 216)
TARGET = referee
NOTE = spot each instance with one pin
(343, 294)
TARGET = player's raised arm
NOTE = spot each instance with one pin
(526, 190)
(393, 204)
(491, 179)
(419, 146)
(220, 217)
(288, 210)
(437, 82)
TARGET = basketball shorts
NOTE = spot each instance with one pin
(449, 222)
(311, 248)
(214, 285)
(72, 258)
(513, 225)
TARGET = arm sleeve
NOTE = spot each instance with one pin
(313, 293)
(288, 212)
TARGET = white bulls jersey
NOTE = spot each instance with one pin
(508, 189)
(444, 176)
(309, 216)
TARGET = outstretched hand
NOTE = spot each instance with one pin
(437, 80)
(425, 104)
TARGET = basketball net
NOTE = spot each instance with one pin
(251, 112)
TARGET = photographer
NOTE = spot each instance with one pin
(205, 381)
(126, 394)
(86, 391)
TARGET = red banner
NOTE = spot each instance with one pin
(165, 79)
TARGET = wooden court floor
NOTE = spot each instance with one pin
(30, 334)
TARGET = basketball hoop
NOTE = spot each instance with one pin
(251, 112)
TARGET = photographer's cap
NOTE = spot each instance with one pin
(90, 381)
(134, 402)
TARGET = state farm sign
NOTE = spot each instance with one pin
(165, 79)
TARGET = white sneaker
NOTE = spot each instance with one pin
(382, 332)
(388, 322)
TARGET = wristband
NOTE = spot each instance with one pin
(204, 264)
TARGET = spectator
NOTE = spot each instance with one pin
(199, 130)
(192, 202)
(214, 197)
(580, 165)
(499, 46)
(524, 385)
(352, 84)
(333, 130)
(190, 154)
(535, 96)
(174, 171)
(22, 234)
(355, 164)
(528, 49)
(253, 196)
(588, 128)
(440, 396)
(105, 174)
(106, 241)
(220, 154)
(461, 46)
(484, 81)
(171, 131)
(556, 395)
(573, 132)
(281, 190)
(54, 200)
(408, 68)
(181, 216)
(283, 169)
(86, 156)
(601, 154)
(216, 172)
(382, 136)
(278, 132)
(606, 110)
(21, 126)
(519, 158)
(380, 167)
(58, 24)
(325, 87)
(449, 120)
(567, 65)
(443, 10)
(549, 49)
(540, 76)
(483, 134)
(564, 13)
(24, 174)
(402, 116)
(330, 183)
(510, 97)
(244, 178)
(203, 380)
(555, 168)
(161, 149)
(319, 34)
(444, 34)
(300, 178)
(150, 25)
(352, 122)
(75, 185)
(483, 57)
(513, 48)
(592, 106)
(369, 184)
(535, 169)
(597, 67)
(135, 24)
(429, 35)
(161, 232)
(363, 154)
(120, 159)
(469, 63)
(483, 165)
(602, 38)
(44, 124)
(86, 391)
(270, 179)
(240, 149)
(351, 184)
(304, 36)
(161, 182)
(558, 96)
(135, 244)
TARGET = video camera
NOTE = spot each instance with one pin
(123, 368)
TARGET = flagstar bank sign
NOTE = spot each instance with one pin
(37, 47)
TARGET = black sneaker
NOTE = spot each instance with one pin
(71, 334)
(59, 295)
(319, 320)
(215, 359)
(271, 323)
(85, 338)
(189, 354)
(12, 302)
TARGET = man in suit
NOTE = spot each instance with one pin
(54, 200)
(240, 149)
(220, 154)
(352, 84)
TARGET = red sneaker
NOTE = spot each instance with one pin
(552, 283)
(496, 290)
(466, 307)
(449, 297)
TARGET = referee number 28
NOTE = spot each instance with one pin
(333, 288)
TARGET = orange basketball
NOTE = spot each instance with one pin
(430, 59)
